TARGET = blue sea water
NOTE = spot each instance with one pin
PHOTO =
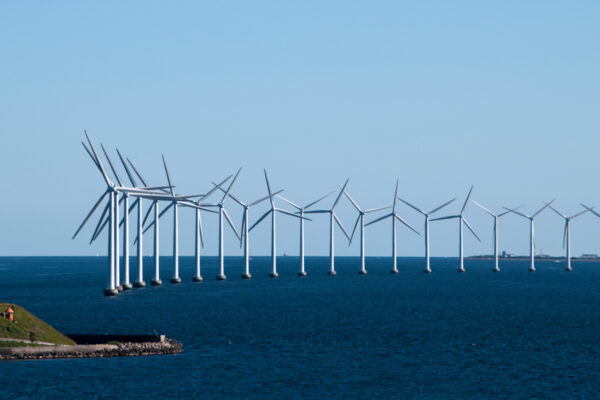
(507, 335)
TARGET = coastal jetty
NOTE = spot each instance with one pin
(134, 345)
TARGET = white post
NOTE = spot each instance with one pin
(156, 281)
(126, 284)
(461, 265)
(531, 247)
(140, 255)
(221, 276)
(198, 277)
(362, 270)
(331, 260)
(427, 266)
(302, 272)
(110, 284)
(394, 261)
(246, 274)
(117, 256)
(569, 246)
(273, 273)
(175, 279)
(496, 266)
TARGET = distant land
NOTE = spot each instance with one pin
(583, 257)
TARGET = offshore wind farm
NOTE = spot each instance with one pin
(119, 194)
(299, 200)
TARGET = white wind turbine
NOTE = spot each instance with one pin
(273, 211)
(300, 212)
(426, 215)
(567, 232)
(496, 217)
(112, 218)
(361, 219)
(245, 238)
(531, 232)
(223, 214)
(394, 216)
(461, 220)
(333, 217)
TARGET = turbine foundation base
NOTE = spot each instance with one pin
(273, 275)
(568, 269)
(531, 269)
(301, 274)
(197, 278)
(156, 282)
(120, 288)
(221, 277)
(332, 273)
(393, 271)
(127, 286)
(496, 269)
(246, 276)
(110, 292)
(175, 281)
(461, 270)
(362, 271)
(427, 270)
(139, 284)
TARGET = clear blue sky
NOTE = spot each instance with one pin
(501, 95)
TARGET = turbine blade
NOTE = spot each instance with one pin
(230, 195)
(260, 219)
(168, 175)
(354, 229)
(100, 228)
(376, 209)
(471, 229)
(440, 207)
(379, 219)
(590, 209)
(231, 185)
(291, 214)
(269, 188)
(352, 201)
(231, 224)
(284, 199)
(126, 169)
(340, 194)
(148, 212)
(542, 209)
(318, 200)
(90, 213)
(98, 160)
(337, 220)
(517, 212)
(483, 208)
(557, 212)
(91, 156)
(447, 217)
(112, 167)
(578, 214)
(317, 212)
(466, 201)
(165, 210)
(413, 207)
(137, 173)
(201, 230)
(406, 223)
(565, 234)
(395, 196)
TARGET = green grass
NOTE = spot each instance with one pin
(28, 326)
(19, 344)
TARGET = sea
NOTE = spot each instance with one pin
(444, 335)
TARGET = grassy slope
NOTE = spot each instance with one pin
(25, 323)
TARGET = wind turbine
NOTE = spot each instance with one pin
(361, 219)
(461, 220)
(245, 238)
(531, 232)
(496, 217)
(223, 214)
(394, 215)
(273, 211)
(567, 232)
(333, 217)
(300, 212)
(426, 215)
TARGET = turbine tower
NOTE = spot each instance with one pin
(361, 219)
(333, 217)
(223, 214)
(427, 215)
(461, 220)
(567, 232)
(273, 211)
(245, 239)
(496, 217)
(531, 232)
(394, 215)
(300, 212)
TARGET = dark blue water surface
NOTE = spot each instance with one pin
(511, 335)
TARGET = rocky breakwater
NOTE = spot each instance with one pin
(112, 349)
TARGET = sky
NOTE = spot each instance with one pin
(439, 95)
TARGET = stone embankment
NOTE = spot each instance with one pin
(163, 346)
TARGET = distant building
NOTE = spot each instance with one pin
(589, 255)
(507, 255)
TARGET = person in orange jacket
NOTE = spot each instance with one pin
(10, 314)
